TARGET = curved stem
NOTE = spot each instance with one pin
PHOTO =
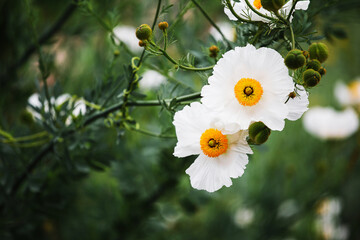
(26, 138)
(228, 4)
(287, 22)
(146, 132)
(211, 22)
(257, 12)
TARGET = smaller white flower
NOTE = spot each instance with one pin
(244, 217)
(126, 34)
(326, 123)
(348, 94)
(221, 147)
(242, 9)
(151, 80)
(297, 105)
(226, 28)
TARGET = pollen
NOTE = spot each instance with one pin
(213, 143)
(257, 4)
(248, 91)
(355, 89)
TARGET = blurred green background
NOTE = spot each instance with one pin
(107, 182)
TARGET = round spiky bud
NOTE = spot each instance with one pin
(313, 64)
(259, 132)
(311, 78)
(142, 43)
(295, 59)
(214, 50)
(272, 5)
(322, 71)
(319, 51)
(143, 32)
(163, 25)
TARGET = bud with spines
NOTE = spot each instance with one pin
(313, 64)
(319, 51)
(259, 132)
(272, 5)
(142, 43)
(214, 50)
(322, 71)
(143, 32)
(163, 25)
(295, 59)
(311, 78)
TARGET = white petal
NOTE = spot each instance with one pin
(62, 99)
(126, 34)
(151, 80)
(298, 105)
(342, 94)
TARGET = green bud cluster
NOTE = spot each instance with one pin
(259, 132)
(272, 5)
(311, 78)
(319, 51)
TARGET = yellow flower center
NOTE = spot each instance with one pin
(257, 4)
(213, 143)
(248, 91)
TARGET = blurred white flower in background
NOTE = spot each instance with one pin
(126, 34)
(348, 94)
(151, 80)
(244, 217)
(226, 28)
(34, 102)
(288, 208)
(327, 123)
(327, 221)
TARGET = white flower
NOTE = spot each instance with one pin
(348, 95)
(221, 147)
(244, 217)
(297, 105)
(242, 9)
(326, 123)
(250, 85)
(151, 80)
(226, 28)
(126, 34)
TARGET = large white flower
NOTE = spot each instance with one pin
(151, 80)
(242, 9)
(250, 85)
(326, 123)
(221, 147)
(126, 34)
(348, 94)
(226, 28)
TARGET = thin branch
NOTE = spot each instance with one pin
(228, 4)
(211, 22)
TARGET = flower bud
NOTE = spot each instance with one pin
(272, 5)
(319, 51)
(311, 78)
(259, 132)
(306, 54)
(295, 59)
(163, 25)
(313, 64)
(142, 43)
(116, 53)
(322, 71)
(143, 32)
(214, 50)
(292, 95)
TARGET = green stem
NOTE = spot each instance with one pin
(26, 138)
(285, 21)
(257, 12)
(177, 64)
(228, 4)
(180, 15)
(165, 39)
(146, 132)
(211, 22)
